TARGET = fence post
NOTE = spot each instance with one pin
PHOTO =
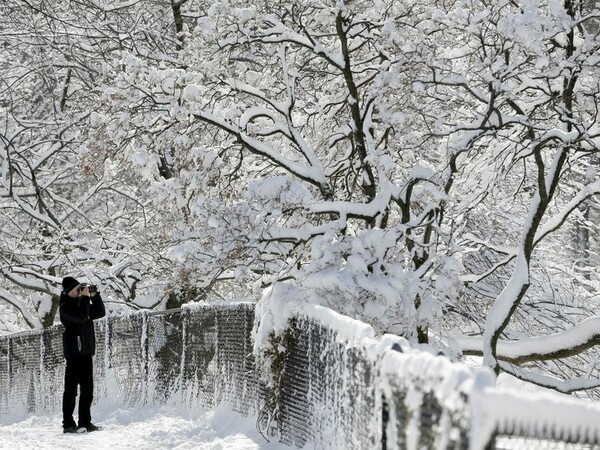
(145, 350)
(9, 371)
(385, 417)
(41, 384)
(491, 445)
(184, 342)
(108, 343)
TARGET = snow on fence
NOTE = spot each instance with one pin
(313, 379)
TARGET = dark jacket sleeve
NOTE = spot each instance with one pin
(97, 309)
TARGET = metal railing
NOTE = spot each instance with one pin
(312, 387)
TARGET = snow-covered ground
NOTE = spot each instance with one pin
(148, 427)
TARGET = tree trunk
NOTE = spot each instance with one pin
(178, 19)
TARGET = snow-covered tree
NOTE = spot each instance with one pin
(526, 80)
(412, 162)
(67, 205)
(426, 166)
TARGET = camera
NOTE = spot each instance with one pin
(93, 289)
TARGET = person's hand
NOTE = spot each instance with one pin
(85, 291)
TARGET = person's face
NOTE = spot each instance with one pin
(75, 292)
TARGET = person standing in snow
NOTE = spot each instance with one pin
(79, 306)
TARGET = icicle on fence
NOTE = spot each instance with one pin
(320, 381)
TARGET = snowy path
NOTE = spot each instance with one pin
(152, 428)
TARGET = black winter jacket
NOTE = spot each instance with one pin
(76, 314)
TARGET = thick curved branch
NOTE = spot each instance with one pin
(564, 344)
(310, 174)
(31, 280)
(32, 321)
(563, 386)
(366, 211)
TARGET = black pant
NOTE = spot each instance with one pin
(79, 371)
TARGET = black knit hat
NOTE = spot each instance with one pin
(69, 283)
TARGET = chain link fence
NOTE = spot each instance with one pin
(312, 388)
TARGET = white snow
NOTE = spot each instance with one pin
(145, 427)
(11, 299)
(192, 92)
(529, 412)
(282, 301)
(580, 334)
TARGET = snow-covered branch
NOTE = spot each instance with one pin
(564, 344)
(551, 225)
(353, 209)
(31, 280)
(311, 174)
(279, 33)
(556, 221)
(565, 386)
(12, 300)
